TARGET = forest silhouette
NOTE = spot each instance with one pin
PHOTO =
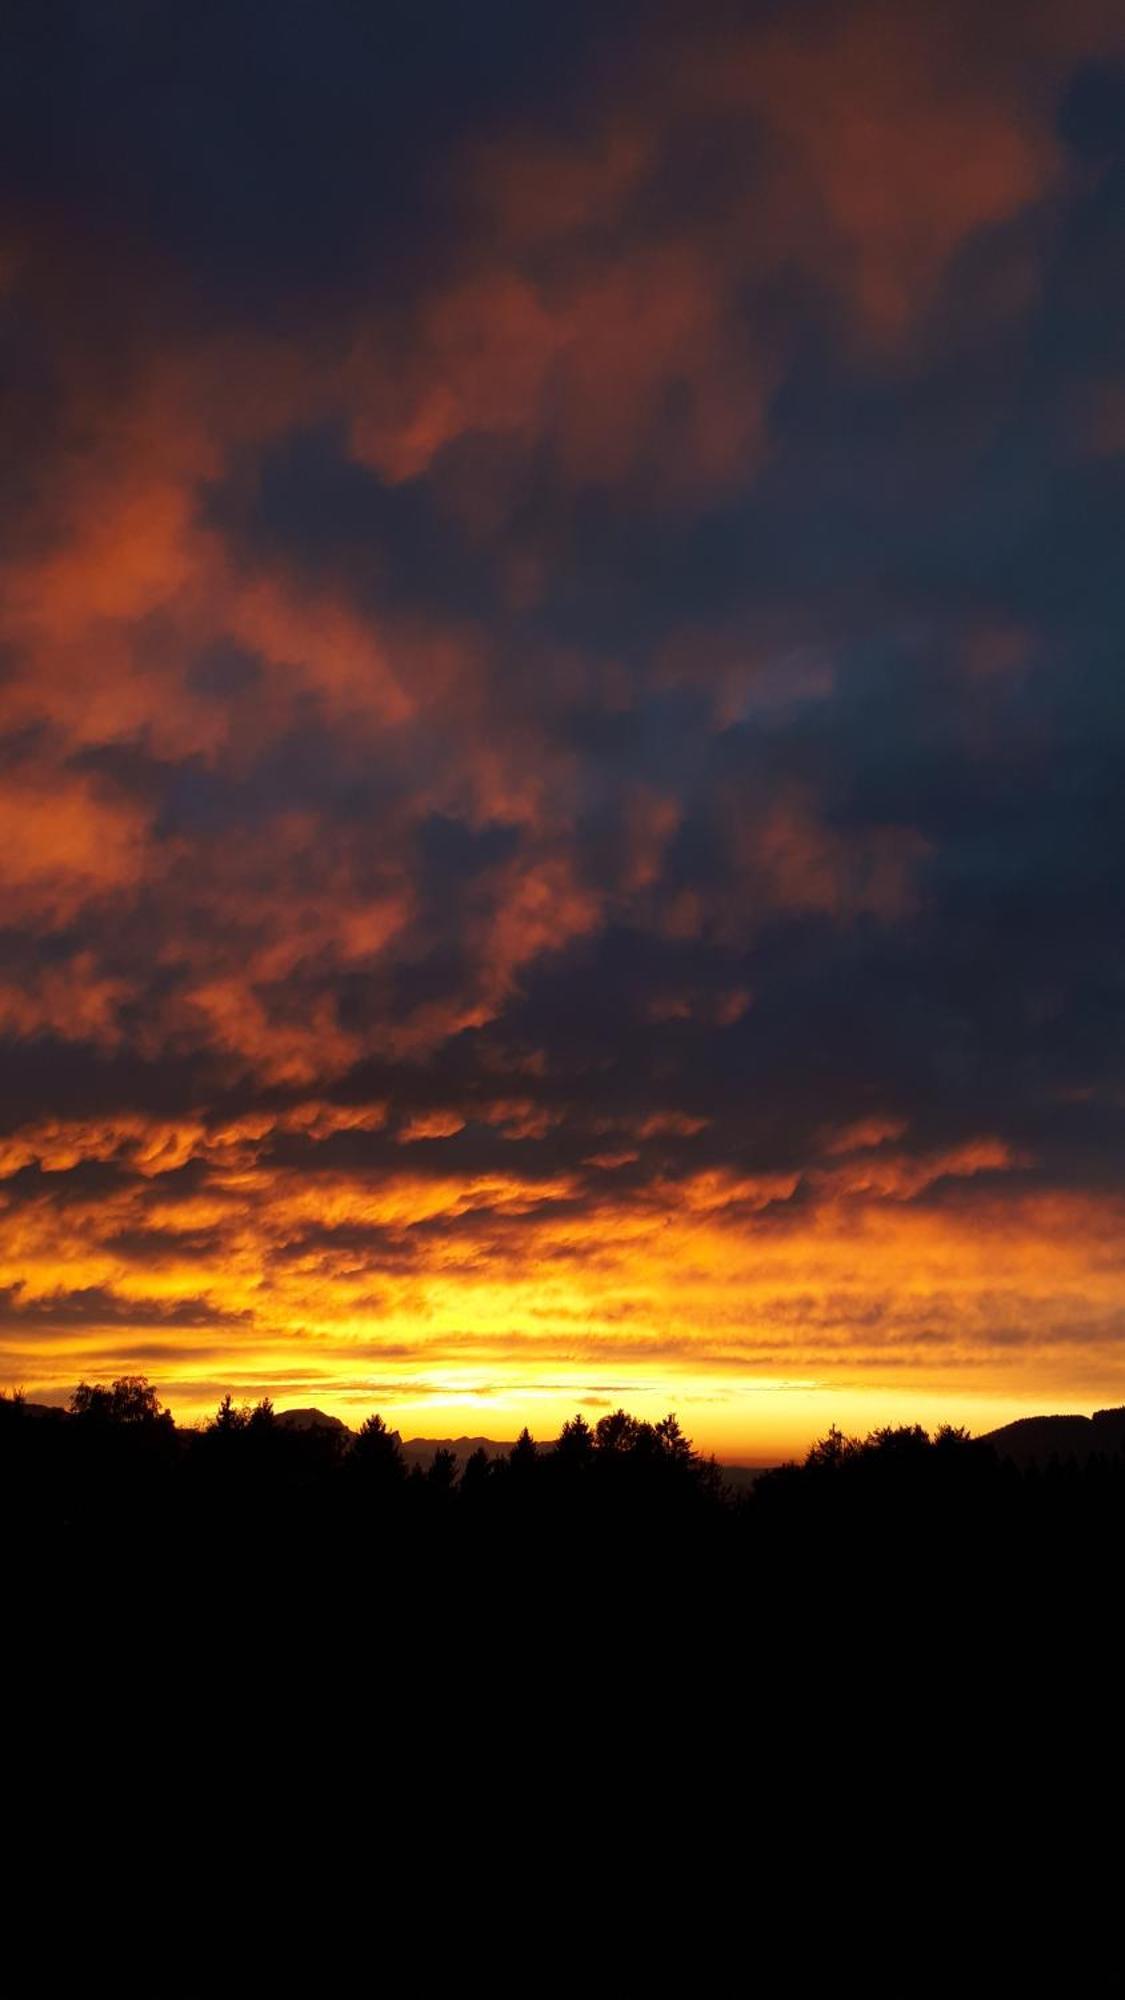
(114, 1487)
(252, 1624)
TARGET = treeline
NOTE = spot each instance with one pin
(116, 1473)
(116, 1461)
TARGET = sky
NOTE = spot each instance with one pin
(561, 709)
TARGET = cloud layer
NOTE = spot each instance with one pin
(560, 710)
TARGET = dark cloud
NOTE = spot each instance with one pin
(94, 1306)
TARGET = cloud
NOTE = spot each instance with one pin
(97, 1307)
(560, 726)
(62, 846)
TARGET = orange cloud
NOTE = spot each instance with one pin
(63, 845)
(905, 148)
(715, 1289)
(863, 1134)
(671, 1124)
(900, 1177)
(430, 1125)
(587, 362)
(789, 858)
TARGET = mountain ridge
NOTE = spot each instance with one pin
(1036, 1440)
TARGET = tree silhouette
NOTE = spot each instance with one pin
(475, 1476)
(441, 1473)
(130, 1400)
(575, 1446)
(674, 1445)
(230, 1417)
(376, 1455)
(616, 1434)
(832, 1451)
(524, 1455)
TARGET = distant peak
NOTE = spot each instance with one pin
(309, 1420)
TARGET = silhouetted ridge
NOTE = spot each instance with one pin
(1109, 1429)
(309, 1420)
(419, 1451)
(1037, 1440)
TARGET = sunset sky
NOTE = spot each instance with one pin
(562, 719)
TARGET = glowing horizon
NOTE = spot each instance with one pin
(757, 1346)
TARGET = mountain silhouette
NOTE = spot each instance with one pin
(1038, 1440)
(419, 1451)
(309, 1420)
(415, 1451)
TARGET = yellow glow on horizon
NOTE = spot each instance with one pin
(757, 1329)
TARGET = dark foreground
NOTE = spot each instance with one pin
(113, 1499)
(266, 1682)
